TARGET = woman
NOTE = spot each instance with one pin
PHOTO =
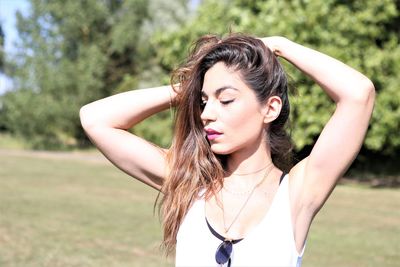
(230, 194)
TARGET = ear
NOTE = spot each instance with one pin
(272, 109)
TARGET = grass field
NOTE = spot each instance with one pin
(77, 210)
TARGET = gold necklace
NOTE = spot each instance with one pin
(244, 193)
(257, 171)
(244, 204)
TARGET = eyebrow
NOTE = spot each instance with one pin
(219, 90)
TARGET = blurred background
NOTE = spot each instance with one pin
(63, 204)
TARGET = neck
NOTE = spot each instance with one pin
(248, 161)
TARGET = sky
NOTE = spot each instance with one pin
(8, 24)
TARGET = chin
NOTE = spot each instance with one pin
(221, 150)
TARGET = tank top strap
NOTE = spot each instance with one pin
(281, 179)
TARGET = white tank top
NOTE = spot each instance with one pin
(270, 243)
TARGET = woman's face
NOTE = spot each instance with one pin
(232, 116)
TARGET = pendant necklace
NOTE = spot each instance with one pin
(244, 193)
(245, 203)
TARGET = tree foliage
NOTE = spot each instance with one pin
(1, 49)
(74, 52)
(363, 33)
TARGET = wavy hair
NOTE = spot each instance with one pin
(194, 170)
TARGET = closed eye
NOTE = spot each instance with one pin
(226, 102)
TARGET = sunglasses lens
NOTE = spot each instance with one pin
(224, 252)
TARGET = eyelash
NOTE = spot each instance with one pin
(227, 102)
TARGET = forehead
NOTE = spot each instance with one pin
(220, 78)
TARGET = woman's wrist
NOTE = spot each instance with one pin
(277, 44)
(173, 93)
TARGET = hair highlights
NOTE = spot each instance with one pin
(194, 170)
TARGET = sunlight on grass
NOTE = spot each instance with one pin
(70, 213)
(65, 212)
(358, 226)
(8, 141)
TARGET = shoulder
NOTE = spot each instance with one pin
(296, 174)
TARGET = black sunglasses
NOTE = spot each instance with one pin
(224, 250)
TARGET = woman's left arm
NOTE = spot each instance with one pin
(342, 137)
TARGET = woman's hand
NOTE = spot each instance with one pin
(174, 94)
(275, 44)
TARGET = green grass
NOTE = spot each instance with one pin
(75, 213)
(8, 141)
(358, 226)
(65, 212)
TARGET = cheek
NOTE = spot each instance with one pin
(244, 125)
(242, 117)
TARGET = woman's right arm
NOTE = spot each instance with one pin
(106, 122)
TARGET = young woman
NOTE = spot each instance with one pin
(230, 196)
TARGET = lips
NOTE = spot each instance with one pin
(212, 134)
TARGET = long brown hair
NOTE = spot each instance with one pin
(193, 168)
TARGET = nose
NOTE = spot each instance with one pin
(208, 113)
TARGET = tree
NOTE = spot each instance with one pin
(364, 34)
(1, 49)
(71, 53)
